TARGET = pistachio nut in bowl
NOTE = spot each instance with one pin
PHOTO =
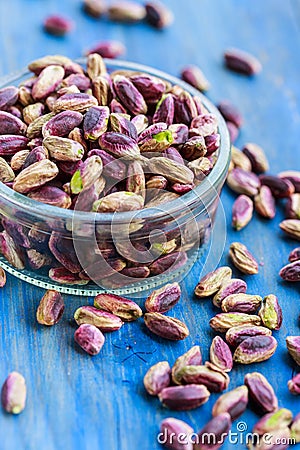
(110, 175)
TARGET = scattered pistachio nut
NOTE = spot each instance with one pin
(166, 327)
(163, 299)
(13, 394)
(126, 309)
(271, 312)
(212, 282)
(184, 398)
(233, 402)
(157, 378)
(293, 346)
(255, 349)
(89, 338)
(192, 357)
(50, 309)
(261, 392)
(224, 321)
(242, 258)
(103, 320)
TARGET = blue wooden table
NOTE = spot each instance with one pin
(76, 402)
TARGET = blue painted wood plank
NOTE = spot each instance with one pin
(82, 403)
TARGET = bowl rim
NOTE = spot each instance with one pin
(36, 208)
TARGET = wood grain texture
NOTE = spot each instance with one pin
(76, 402)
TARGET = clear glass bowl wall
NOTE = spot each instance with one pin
(188, 220)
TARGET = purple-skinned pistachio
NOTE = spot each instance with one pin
(242, 62)
(280, 187)
(255, 349)
(193, 148)
(157, 182)
(243, 182)
(224, 321)
(64, 276)
(294, 385)
(294, 255)
(233, 402)
(243, 259)
(112, 167)
(214, 433)
(63, 149)
(101, 90)
(35, 128)
(89, 171)
(11, 144)
(69, 168)
(121, 124)
(136, 272)
(63, 250)
(212, 143)
(157, 142)
(235, 335)
(192, 357)
(58, 25)
(233, 131)
(10, 124)
(37, 260)
(166, 327)
(87, 197)
(182, 188)
(126, 309)
(62, 124)
(8, 96)
(163, 299)
(153, 129)
(230, 113)
(129, 95)
(244, 303)
(51, 196)
(291, 272)
(165, 110)
(198, 104)
(95, 67)
(35, 155)
(214, 380)
(38, 65)
(158, 15)
(11, 251)
(50, 309)
(13, 393)
(157, 378)
(271, 312)
(18, 232)
(293, 207)
(74, 102)
(184, 398)
(293, 346)
(242, 212)
(176, 434)
(273, 421)
(291, 227)
(47, 82)
(205, 124)
(220, 354)
(229, 287)
(108, 49)
(89, 338)
(261, 393)
(184, 108)
(116, 107)
(15, 111)
(195, 77)
(140, 122)
(95, 122)
(257, 157)
(264, 203)
(211, 283)
(151, 88)
(180, 133)
(293, 176)
(82, 82)
(105, 321)
(173, 154)
(2, 277)
(119, 145)
(126, 11)
(201, 167)
(101, 269)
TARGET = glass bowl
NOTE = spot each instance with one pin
(75, 235)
